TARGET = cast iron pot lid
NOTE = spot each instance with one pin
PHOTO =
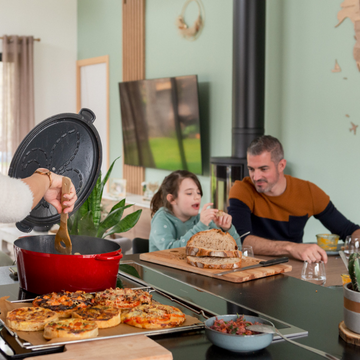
(67, 144)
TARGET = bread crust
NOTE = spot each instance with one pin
(195, 250)
(71, 329)
(104, 316)
(199, 262)
(30, 318)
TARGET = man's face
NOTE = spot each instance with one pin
(263, 172)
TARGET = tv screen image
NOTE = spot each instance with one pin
(161, 123)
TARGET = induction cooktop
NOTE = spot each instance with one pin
(212, 304)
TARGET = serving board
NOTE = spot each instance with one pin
(129, 348)
(347, 335)
(176, 258)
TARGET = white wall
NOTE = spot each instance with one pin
(55, 23)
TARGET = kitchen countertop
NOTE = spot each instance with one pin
(319, 310)
(334, 268)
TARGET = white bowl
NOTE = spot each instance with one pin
(238, 343)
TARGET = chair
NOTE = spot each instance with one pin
(140, 245)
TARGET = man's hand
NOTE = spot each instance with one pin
(356, 234)
(307, 252)
(304, 252)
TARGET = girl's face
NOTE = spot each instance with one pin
(187, 203)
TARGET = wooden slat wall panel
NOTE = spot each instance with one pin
(133, 69)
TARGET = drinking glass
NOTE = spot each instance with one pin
(314, 272)
(352, 244)
(247, 250)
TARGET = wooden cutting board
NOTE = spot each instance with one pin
(138, 347)
(176, 258)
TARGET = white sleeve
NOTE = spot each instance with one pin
(16, 199)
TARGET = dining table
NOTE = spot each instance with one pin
(334, 268)
(312, 312)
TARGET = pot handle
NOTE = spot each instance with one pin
(108, 258)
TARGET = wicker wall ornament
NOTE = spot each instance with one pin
(193, 32)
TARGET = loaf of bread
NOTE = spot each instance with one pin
(213, 243)
(214, 262)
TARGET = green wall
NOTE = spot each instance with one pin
(306, 104)
(100, 33)
(210, 57)
(308, 108)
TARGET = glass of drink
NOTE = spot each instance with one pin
(345, 278)
(351, 245)
(314, 272)
(247, 250)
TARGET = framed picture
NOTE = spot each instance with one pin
(118, 188)
(149, 189)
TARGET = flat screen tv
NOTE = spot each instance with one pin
(161, 123)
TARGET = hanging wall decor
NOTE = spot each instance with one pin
(192, 32)
(351, 9)
(353, 127)
(336, 68)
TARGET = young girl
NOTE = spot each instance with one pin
(175, 213)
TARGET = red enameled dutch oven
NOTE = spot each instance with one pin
(42, 269)
(68, 144)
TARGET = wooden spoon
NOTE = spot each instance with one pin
(62, 236)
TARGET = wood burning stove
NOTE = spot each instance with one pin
(248, 97)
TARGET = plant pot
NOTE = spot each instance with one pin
(351, 308)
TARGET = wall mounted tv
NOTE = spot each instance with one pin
(161, 123)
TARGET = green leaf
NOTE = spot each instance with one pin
(125, 224)
(106, 178)
(96, 202)
(86, 225)
(87, 219)
(111, 220)
(121, 203)
(73, 222)
(357, 272)
(119, 283)
(129, 270)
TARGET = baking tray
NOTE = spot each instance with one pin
(13, 347)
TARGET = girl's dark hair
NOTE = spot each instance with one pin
(170, 185)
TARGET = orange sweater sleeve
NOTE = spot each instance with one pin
(319, 197)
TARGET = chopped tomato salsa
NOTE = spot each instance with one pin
(234, 327)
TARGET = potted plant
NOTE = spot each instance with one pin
(352, 295)
(87, 219)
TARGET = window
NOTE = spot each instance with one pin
(1, 89)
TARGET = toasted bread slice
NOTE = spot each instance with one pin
(213, 243)
(214, 262)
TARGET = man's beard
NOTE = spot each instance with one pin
(268, 186)
(262, 189)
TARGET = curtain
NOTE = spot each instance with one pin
(18, 116)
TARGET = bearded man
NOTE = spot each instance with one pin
(275, 207)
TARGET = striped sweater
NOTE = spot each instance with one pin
(284, 217)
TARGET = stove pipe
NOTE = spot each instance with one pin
(248, 95)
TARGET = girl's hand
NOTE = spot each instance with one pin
(224, 221)
(207, 215)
